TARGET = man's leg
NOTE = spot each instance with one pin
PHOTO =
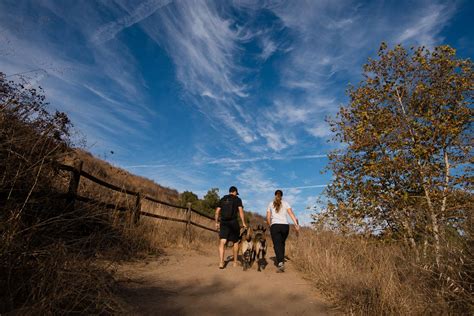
(236, 252)
(221, 251)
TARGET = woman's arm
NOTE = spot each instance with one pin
(294, 219)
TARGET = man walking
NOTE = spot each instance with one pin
(227, 212)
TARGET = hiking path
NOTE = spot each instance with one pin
(188, 282)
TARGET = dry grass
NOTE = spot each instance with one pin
(163, 234)
(49, 264)
(369, 277)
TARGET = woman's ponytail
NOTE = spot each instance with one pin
(277, 200)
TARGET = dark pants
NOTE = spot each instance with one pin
(279, 234)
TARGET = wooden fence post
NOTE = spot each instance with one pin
(187, 230)
(138, 208)
(74, 183)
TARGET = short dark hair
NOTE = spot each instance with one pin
(233, 189)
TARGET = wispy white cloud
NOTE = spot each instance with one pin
(256, 188)
(268, 47)
(276, 138)
(89, 115)
(100, 94)
(108, 31)
(233, 166)
(424, 27)
(292, 195)
(338, 35)
(147, 166)
(253, 179)
(288, 112)
(205, 49)
(306, 187)
(321, 130)
(332, 39)
(264, 158)
(82, 87)
(289, 115)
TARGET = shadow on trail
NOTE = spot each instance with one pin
(156, 300)
(150, 301)
(195, 298)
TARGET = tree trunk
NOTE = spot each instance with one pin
(434, 226)
(433, 217)
(411, 239)
(447, 171)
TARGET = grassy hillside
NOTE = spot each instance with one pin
(120, 177)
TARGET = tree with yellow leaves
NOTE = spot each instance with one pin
(404, 171)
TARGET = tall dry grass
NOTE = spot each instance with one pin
(163, 233)
(371, 277)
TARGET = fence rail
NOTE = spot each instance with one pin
(136, 212)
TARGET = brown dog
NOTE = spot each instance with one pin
(260, 247)
(246, 247)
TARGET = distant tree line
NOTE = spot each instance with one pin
(207, 204)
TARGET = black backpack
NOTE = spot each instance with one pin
(227, 208)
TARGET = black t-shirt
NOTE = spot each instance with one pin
(235, 205)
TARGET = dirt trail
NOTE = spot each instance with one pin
(184, 282)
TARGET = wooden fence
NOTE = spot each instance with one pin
(136, 212)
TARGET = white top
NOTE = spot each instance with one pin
(280, 217)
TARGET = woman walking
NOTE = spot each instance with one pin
(277, 212)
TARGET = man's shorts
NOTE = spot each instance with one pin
(230, 230)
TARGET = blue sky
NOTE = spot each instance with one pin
(202, 94)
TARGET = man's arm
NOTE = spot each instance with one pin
(269, 217)
(242, 217)
(218, 212)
